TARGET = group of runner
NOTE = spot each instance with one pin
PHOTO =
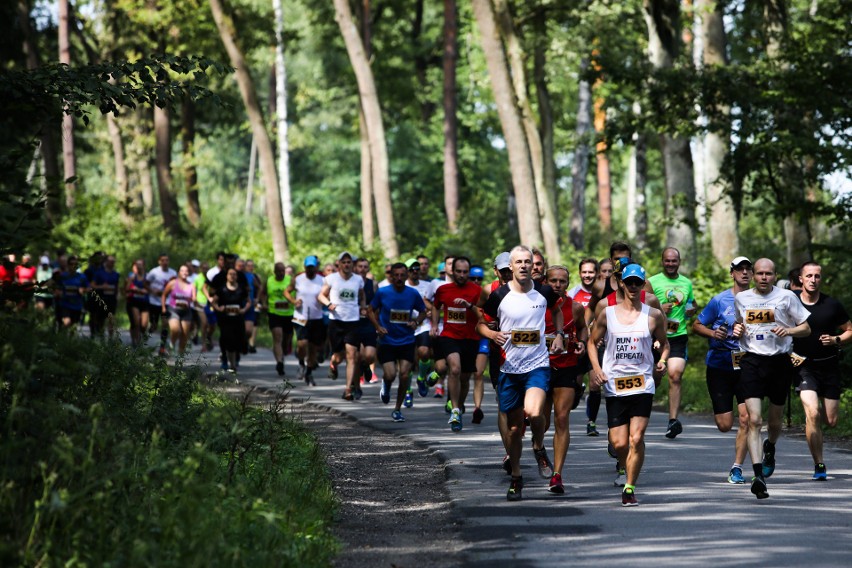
(537, 337)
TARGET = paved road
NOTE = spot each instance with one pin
(688, 513)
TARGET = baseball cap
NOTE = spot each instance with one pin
(633, 271)
(195, 262)
(619, 264)
(502, 261)
(442, 267)
(477, 272)
(311, 260)
(345, 253)
(412, 263)
(44, 260)
(740, 260)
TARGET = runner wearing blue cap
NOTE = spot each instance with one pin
(308, 317)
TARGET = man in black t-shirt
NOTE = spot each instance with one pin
(819, 372)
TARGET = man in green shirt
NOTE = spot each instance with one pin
(675, 294)
(280, 304)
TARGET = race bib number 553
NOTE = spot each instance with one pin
(629, 384)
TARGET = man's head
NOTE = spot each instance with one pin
(460, 270)
(619, 249)
(764, 275)
(423, 260)
(280, 271)
(539, 265)
(502, 267)
(588, 271)
(795, 278)
(811, 277)
(345, 263)
(671, 261)
(220, 259)
(240, 265)
(633, 280)
(477, 274)
(230, 260)
(311, 265)
(521, 260)
(398, 275)
(250, 265)
(741, 271)
(448, 266)
(109, 262)
(414, 268)
(163, 261)
(557, 278)
(361, 267)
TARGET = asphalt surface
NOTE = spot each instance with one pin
(688, 513)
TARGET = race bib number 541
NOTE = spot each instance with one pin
(765, 315)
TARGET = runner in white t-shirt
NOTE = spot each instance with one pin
(157, 279)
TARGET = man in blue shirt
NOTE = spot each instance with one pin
(70, 294)
(396, 311)
(716, 323)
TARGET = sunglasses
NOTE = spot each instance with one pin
(634, 282)
(476, 279)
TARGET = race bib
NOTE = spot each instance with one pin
(630, 384)
(400, 316)
(760, 316)
(456, 315)
(736, 357)
(797, 359)
(108, 291)
(282, 305)
(300, 321)
(526, 337)
(347, 295)
(672, 325)
(181, 304)
(232, 309)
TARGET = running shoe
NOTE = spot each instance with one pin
(332, 371)
(736, 476)
(422, 387)
(768, 458)
(164, 352)
(252, 349)
(439, 391)
(628, 498)
(357, 392)
(224, 366)
(592, 429)
(556, 486)
(478, 415)
(455, 421)
(384, 393)
(448, 407)
(507, 465)
(279, 368)
(433, 379)
(515, 488)
(545, 468)
(675, 428)
(610, 449)
(621, 478)
(758, 487)
(820, 474)
(302, 370)
(347, 395)
(368, 375)
(409, 400)
(309, 378)
(397, 416)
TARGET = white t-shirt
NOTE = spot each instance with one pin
(344, 295)
(760, 313)
(157, 279)
(211, 274)
(307, 290)
(628, 360)
(427, 293)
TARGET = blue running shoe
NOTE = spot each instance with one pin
(455, 421)
(433, 379)
(820, 474)
(422, 387)
(409, 400)
(736, 475)
(384, 394)
(397, 416)
(768, 458)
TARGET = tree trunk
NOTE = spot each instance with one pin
(663, 20)
(190, 172)
(163, 166)
(281, 105)
(602, 162)
(517, 70)
(545, 108)
(368, 227)
(68, 156)
(375, 127)
(451, 162)
(122, 185)
(265, 152)
(47, 137)
(637, 210)
(580, 167)
(722, 215)
(140, 149)
(250, 180)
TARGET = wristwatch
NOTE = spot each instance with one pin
(837, 340)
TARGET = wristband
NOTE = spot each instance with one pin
(837, 340)
(561, 334)
(663, 361)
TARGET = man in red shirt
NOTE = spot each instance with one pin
(459, 340)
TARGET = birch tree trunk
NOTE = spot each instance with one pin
(375, 127)
(722, 215)
(68, 156)
(368, 226)
(451, 162)
(122, 185)
(281, 107)
(580, 167)
(663, 20)
(265, 152)
(637, 210)
(523, 181)
(163, 167)
(517, 69)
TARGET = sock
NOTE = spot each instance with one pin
(758, 469)
(739, 465)
(593, 405)
(629, 488)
